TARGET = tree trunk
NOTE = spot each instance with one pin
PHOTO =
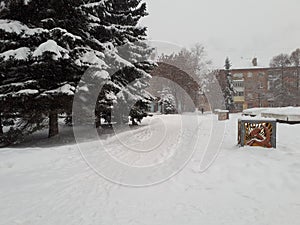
(98, 121)
(53, 124)
(1, 127)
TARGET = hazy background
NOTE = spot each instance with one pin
(239, 29)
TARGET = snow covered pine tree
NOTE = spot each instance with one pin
(38, 67)
(47, 45)
(115, 24)
(128, 38)
(229, 90)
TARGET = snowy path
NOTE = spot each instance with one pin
(243, 186)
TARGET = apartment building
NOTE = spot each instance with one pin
(263, 87)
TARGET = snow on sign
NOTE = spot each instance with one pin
(256, 132)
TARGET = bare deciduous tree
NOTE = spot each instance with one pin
(281, 60)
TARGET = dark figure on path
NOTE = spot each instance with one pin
(202, 110)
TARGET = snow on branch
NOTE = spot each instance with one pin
(52, 47)
(66, 89)
(18, 54)
(90, 58)
(11, 26)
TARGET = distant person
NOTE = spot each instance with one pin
(202, 110)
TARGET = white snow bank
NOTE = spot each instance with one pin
(280, 113)
(53, 47)
(18, 54)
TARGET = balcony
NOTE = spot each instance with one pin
(239, 98)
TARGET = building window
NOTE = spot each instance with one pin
(239, 93)
(261, 74)
(238, 75)
(250, 74)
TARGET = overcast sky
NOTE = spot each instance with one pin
(239, 29)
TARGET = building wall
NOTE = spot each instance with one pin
(264, 87)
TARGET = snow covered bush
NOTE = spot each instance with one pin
(169, 104)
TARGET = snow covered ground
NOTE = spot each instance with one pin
(49, 183)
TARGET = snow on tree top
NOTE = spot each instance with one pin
(19, 54)
(53, 47)
(11, 26)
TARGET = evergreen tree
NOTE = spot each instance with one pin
(42, 56)
(229, 90)
(131, 75)
(113, 24)
(168, 102)
(47, 45)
